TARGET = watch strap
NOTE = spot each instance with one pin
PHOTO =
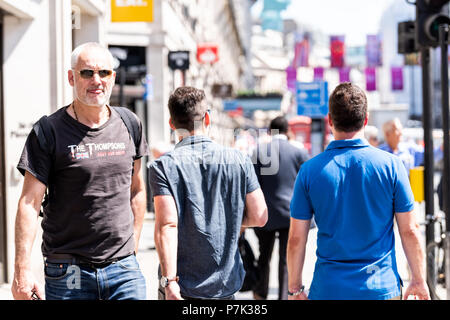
(296, 293)
(168, 280)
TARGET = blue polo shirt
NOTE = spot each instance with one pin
(353, 191)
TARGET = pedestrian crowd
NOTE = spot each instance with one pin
(83, 163)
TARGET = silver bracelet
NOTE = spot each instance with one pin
(296, 293)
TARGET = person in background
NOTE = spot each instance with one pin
(276, 165)
(371, 135)
(410, 154)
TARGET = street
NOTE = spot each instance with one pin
(148, 260)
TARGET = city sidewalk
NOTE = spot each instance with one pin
(148, 260)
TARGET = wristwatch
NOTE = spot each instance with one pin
(164, 282)
(296, 293)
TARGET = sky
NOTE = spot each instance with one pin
(352, 18)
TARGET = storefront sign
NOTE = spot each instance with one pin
(207, 53)
(131, 10)
(178, 60)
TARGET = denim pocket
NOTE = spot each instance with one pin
(55, 270)
(129, 263)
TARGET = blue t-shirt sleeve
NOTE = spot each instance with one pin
(301, 207)
(251, 178)
(159, 184)
(403, 196)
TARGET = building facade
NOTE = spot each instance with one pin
(36, 41)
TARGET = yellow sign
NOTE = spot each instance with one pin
(131, 10)
(417, 184)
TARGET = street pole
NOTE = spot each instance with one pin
(427, 117)
(443, 42)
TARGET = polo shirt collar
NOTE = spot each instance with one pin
(350, 143)
(192, 140)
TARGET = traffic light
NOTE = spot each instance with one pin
(406, 32)
(429, 15)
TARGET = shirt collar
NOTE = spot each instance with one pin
(350, 143)
(192, 140)
(280, 136)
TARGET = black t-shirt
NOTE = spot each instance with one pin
(88, 178)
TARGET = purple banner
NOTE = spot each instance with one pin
(291, 78)
(373, 51)
(396, 78)
(344, 74)
(371, 79)
(318, 73)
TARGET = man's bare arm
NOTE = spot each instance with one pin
(26, 224)
(138, 201)
(296, 249)
(166, 241)
(409, 234)
(255, 214)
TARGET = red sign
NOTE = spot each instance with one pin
(207, 53)
(337, 47)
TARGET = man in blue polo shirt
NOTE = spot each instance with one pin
(354, 192)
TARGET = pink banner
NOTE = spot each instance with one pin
(337, 48)
(291, 78)
(301, 53)
(318, 73)
(344, 74)
(396, 78)
(371, 79)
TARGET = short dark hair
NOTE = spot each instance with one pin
(185, 107)
(348, 107)
(279, 123)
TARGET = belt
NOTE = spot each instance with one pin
(72, 259)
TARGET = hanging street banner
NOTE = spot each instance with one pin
(301, 52)
(131, 10)
(344, 74)
(396, 78)
(291, 78)
(318, 73)
(337, 48)
(371, 79)
(373, 51)
(312, 99)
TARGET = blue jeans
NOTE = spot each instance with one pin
(121, 280)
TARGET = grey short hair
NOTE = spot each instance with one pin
(388, 125)
(77, 51)
(370, 132)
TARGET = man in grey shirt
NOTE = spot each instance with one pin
(203, 194)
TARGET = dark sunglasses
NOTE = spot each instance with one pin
(88, 73)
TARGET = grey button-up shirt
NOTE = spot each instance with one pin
(208, 183)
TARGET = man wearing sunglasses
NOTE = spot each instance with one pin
(96, 195)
